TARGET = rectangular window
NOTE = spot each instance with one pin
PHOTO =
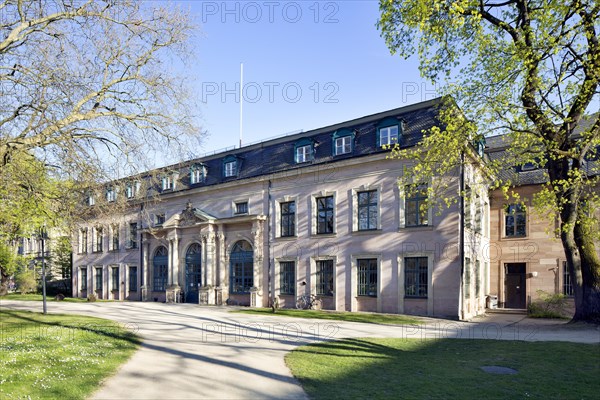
(242, 279)
(288, 277)
(467, 278)
(111, 195)
(567, 282)
(98, 279)
(324, 284)
(388, 135)
(133, 279)
(133, 228)
(197, 174)
(83, 283)
(367, 210)
(467, 200)
(83, 244)
(230, 168)
(515, 220)
(159, 219)
(325, 214)
(478, 214)
(416, 213)
(477, 278)
(167, 182)
(98, 244)
(343, 145)
(160, 277)
(288, 218)
(114, 278)
(415, 277)
(132, 189)
(115, 237)
(367, 277)
(304, 153)
(241, 207)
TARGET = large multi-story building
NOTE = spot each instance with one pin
(318, 212)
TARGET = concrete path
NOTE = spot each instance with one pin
(197, 352)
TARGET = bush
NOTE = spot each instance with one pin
(92, 297)
(548, 306)
(25, 281)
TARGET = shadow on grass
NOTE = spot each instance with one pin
(446, 369)
(102, 327)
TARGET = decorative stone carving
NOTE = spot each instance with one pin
(188, 216)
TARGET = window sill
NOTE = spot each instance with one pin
(415, 298)
(286, 238)
(367, 232)
(96, 251)
(365, 296)
(321, 235)
(416, 228)
(287, 294)
(513, 237)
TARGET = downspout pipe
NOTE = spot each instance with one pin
(271, 292)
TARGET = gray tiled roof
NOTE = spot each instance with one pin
(277, 155)
(496, 150)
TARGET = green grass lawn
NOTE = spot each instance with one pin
(58, 356)
(38, 297)
(372, 318)
(446, 369)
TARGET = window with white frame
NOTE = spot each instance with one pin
(167, 182)
(159, 219)
(343, 145)
(515, 221)
(230, 168)
(111, 194)
(388, 135)
(197, 174)
(132, 189)
(304, 153)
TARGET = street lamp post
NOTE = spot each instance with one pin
(43, 237)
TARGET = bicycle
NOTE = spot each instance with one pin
(308, 302)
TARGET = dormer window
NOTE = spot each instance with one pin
(304, 151)
(132, 189)
(343, 142)
(197, 174)
(91, 200)
(388, 135)
(111, 194)
(389, 131)
(230, 166)
(167, 182)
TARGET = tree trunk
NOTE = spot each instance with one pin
(588, 308)
(3, 283)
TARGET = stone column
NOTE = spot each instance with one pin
(176, 261)
(146, 267)
(257, 292)
(170, 264)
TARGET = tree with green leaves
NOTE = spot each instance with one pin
(527, 68)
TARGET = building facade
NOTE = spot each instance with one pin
(318, 213)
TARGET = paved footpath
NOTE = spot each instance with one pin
(195, 352)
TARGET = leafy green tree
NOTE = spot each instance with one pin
(8, 266)
(529, 68)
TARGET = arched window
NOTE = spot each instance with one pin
(241, 264)
(161, 265)
(193, 273)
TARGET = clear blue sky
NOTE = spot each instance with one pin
(307, 64)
